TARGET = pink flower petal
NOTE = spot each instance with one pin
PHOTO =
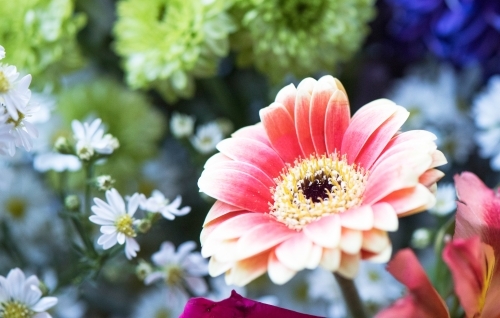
(384, 217)
(351, 241)
(430, 177)
(412, 200)
(247, 168)
(253, 152)
(337, 119)
(314, 257)
(216, 268)
(380, 137)
(247, 270)
(220, 209)
(236, 188)
(216, 159)
(349, 265)
(294, 252)
(425, 300)
(286, 97)
(330, 259)
(255, 132)
(225, 251)
(319, 103)
(279, 273)
(325, 231)
(262, 237)
(360, 218)
(302, 111)
(363, 124)
(382, 257)
(280, 130)
(208, 228)
(375, 240)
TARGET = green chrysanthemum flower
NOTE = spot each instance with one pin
(39, 36)
(166, 43)
(127, 114)
(299, 37)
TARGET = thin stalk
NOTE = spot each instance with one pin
(351, 296)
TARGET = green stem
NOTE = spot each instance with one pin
(351, 296)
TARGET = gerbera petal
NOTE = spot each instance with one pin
(255, 132)
(286, 97)
(410, 200)
(216, 159)
(363, 124)
(349, 265)
(382, 257)
(375, 240)
(351, 241)
(330, 259)
(360, 218)
(430, 177)
(337, 117)
(236, 188)
(262, 237)
(380, 137)
(247, 270)
(384, 217)
(321, 94)
(219, 209)
(314, 257)
(325, 231)
(438, 159)
(210, 227)
(280, 130)
(253, 152)
(301, 118)
(278, 273)
(294, 252)
(226, 250)
(215, 268)
(246, 168)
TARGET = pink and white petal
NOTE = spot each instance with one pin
(381, 137)
(216, 268)
(411, 136)
(263, 237)
(363, 124)
(255, 132)
(337, 118)
(314, 257)
(330, 259)
(375, 240)
(253, 152)
(216, 159)
(225, 250)
(278, 273)
(422, 146)
(236, 188)
(301, 118)
(411, 200)
(430, 177)
(360, 218)
(247, 270)
(280, 129)
(294, 252)
(438, 159)
(210, 227)
(286, 97)
(385, 217)
(321, 94)
(325, 231)
(383, 257)
(349, 265)
(218, 210)
(249, 169)
(351, 241)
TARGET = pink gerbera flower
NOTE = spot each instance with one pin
(310, 186)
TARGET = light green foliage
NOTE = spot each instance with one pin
(165, 44)
(299, 37)
(39, 36)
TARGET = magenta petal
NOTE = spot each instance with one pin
(236, 306)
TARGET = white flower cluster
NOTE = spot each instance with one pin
(16, 130)
(118, 224)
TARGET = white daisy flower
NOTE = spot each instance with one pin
(181, 125)
(57, 162)
(21, 296)
(22, 129)
(446, 197)
(117, 223)
(2, 52)
(487, 116)
(182, 269)
(6, 139)
(90, 139)
(158, 203)
(207, 137)
(162, 302)
(14, 94)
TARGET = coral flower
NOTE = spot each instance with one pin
(310, 186)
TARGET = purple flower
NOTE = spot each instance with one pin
(236, 306)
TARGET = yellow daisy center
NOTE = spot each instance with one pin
(17, 122)
(124, 225)
(4, 83)
(14, 309)
(174, 275)
(17, 207)
(316, 187)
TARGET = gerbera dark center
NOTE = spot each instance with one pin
(316, 190)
